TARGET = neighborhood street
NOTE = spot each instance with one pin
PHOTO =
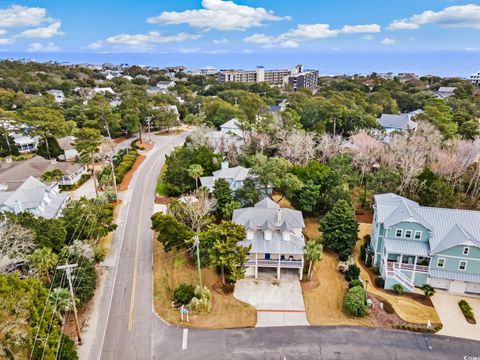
(128, 328)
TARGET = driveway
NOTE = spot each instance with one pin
(278, 303)
(454, 323)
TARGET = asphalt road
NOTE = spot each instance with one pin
(128, 328)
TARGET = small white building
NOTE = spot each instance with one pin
(104, 90)
(235, 176)
(67, 144)
(25, 143)
(58, 95)
(475, 78)
(165, 86)
(445, 92)
(230, 134)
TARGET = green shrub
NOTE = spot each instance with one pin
(398, 289)
(467, 311)
(363, 253)
(352, 273)
(379, 282)
(344, 255)
(388, 307)
(367, 239)
(354, 283)
(183, 294)
(100, 253)
(354, 301)
(202, 301)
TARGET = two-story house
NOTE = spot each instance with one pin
(274, 236)
(235, 176)
(414, 245)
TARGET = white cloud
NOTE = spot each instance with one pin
(6, 41)
(388, 41)
(355, 29)
(471, 49)
(461, 16)
(2, 32)
(43, 32)
(221, 41)
(308, 32)
(152, 37)
(22, 16)
(218, 15)
(189, 50)
(37, 47)
(95, 45)
(368, 37)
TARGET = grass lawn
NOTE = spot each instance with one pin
(174, 268)
(161, 188)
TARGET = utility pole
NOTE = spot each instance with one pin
(334, 125)
(149, 119)
(197, 243)
(68, 270)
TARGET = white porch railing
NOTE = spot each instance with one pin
(391, 271)
(294, 264)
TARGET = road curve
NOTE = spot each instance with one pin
(128, 327)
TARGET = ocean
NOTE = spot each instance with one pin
(441, 63)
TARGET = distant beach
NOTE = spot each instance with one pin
(441, 63)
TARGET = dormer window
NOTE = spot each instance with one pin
(398, 233)
(408, 234)
(267, 235)
(466, 250)
(418, 235)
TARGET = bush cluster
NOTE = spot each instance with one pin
(467, 311)
(183, 294)
(379, 282)
(354, 283)
(125, 165)
(352, 273)
(354, 301)
(398, 289)
(202, 301)
(418, 329)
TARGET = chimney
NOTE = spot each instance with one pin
(224, 165)
(279, 215)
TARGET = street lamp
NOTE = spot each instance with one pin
(366, 290)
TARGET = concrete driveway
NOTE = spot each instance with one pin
(454, 323)
(278, 303)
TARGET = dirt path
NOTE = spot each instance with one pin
(409, 310)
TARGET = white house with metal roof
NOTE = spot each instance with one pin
(230, 134)
(400, 122)
(235, 176)
(274, 236)
(34, 196)
(414, 245)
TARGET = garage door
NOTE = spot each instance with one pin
(439, 283)
(473, 288)
(457, 287)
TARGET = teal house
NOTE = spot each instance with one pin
(414, 245)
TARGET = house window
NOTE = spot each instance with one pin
(418, 235)
(408, 234)
(462, 265)
(441, 262)
(398, 233)
(466, 250)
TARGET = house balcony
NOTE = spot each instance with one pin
(391, 265)
(292, 264)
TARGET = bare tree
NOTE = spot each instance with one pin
(297, 146)
(328, 147)
(194, 210)
(201, 136)
(16, 243)
(366, 152)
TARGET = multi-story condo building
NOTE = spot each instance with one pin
(414, 245)
(303, 79)
(475, 78)
(273, 77)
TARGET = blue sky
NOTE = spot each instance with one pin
(239, 26)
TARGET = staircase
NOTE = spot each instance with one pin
(400, 277)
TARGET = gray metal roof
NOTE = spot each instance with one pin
(232, 175)
(401, 121)
(455, 275)
(293, 246)
(231, 124)
(448, 227)
(267, 214)
(409, 247)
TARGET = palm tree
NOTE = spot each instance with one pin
(428, 291)
(313, 253)
(61, 302)
(44, 261)
(195, 171)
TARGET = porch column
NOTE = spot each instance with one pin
(278, 267)
(256, 265)
(301, 271)
(414, 268)
(401, 261)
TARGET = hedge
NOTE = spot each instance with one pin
(354, 301)
(467, 311)
(123, 163)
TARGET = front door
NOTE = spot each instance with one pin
(267, 256)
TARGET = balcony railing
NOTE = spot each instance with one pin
(409, 267)
(295, 264)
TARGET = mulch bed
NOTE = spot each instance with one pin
(364, 215)
(128, 176)
(165, 200)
